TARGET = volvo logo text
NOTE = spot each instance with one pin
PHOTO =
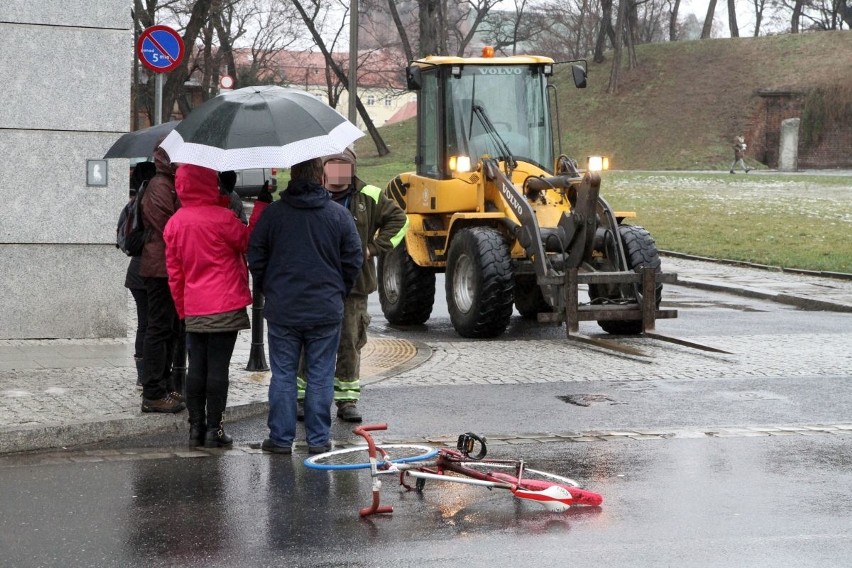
(500, 71)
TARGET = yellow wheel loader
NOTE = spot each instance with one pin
(512, 222)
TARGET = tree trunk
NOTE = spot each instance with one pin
(673, 21)
(708, 21)
(795, 20)
(428, 14)
(580, 27)
(604, 31)
(403, 35)
(631, 25)
(615, 72)
(758, 16)
(845, 12)
(732, 18)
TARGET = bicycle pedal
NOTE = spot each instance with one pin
(467, 445)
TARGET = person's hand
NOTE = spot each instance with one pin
(265, 196)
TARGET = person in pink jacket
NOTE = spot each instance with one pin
(208, 278)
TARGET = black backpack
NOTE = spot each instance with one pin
(130, 234)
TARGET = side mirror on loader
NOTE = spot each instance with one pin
(579, 76)
(412, 78)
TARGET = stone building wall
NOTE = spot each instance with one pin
(833, 151)
(66, 70)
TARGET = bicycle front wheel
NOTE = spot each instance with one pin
(358, 457)
(535, 480)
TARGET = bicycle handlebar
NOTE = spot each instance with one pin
(369, 428)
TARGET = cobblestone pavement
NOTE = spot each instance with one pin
(65, 392)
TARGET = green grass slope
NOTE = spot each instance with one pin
(679, 109)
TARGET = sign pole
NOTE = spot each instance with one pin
(353, 61)
(158, 99)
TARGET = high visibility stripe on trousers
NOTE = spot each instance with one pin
(353, 337)
(343, 390)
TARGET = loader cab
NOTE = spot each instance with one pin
(510, 91)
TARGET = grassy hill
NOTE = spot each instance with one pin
(679, 109)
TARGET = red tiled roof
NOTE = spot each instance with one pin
(408, 110)
(376, 68)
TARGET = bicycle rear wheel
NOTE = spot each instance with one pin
(358, 457)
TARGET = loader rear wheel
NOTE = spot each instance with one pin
(529, 299)
(479, 283)
(406, 290)
(641, 251)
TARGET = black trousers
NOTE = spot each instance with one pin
(160, 337)
(207, 375)
(140, 297)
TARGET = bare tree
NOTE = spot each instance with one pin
(759, 6)
(605, 31)
(465, 20)
(796, 17)
(732, 18)
(506, 29)
(429, 17)
(310, 21)
(556, 20)
(708, 20)
(673, 20)
(615, 72)
(400, 28)
(194, 13)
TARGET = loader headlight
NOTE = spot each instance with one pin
(459, 164)
(597, 163)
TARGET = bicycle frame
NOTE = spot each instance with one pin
(554, 496)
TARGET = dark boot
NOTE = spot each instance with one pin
(197, 422)
(215, 436)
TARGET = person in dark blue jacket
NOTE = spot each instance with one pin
(304, 255)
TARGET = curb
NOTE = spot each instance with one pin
(809, 304)
(63, 435)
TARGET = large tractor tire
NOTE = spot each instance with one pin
(479, 283)
(641, 252)
(406, 290)
(529, 300)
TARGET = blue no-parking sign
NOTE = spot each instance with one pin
(160, 49)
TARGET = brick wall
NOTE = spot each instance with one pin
(764, 136)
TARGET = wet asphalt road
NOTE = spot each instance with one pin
(704, 488)
(687, 502)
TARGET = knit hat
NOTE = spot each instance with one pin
(348, 156)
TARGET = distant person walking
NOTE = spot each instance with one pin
(739, 154)
(381, 225)
(304, 255)
(159, 203)
(208, 277)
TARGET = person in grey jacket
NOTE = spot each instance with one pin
(739, 154)
(304, 256)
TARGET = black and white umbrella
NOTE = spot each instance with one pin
(140, 143)
(259, 127)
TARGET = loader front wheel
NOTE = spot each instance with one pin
(641, 252)
(406, 290)
(479, 283)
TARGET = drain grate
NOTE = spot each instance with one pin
(584, 399)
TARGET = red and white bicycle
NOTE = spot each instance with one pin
(465, 464)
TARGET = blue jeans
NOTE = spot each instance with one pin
(320, 347)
